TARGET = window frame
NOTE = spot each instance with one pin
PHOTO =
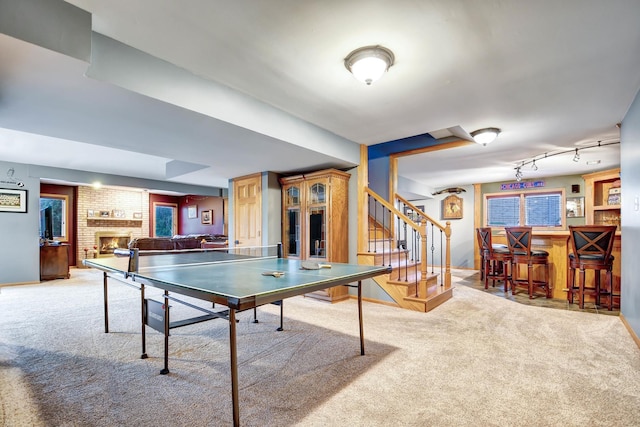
(522, 214)
(174, 217)
(66, 214)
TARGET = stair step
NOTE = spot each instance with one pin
(437, 296)
(432, 279)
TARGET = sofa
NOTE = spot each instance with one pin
(179, 242)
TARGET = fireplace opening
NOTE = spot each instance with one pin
(108, 241)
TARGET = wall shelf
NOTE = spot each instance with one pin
(599, 186)
(114, 222)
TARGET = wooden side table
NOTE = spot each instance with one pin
(54, 262)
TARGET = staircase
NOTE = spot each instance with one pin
(403, 243)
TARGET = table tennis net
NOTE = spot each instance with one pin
(153, 260)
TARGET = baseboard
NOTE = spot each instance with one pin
(631, 331)
(5, 285)
(376, 301)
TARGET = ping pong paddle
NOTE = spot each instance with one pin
(273, 273)
(308, 265)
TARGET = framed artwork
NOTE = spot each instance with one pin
(207, 217)
(413, 215)
(192, 211)
(137, 215)
(452, 207)
(13, 200)
(118, 213)
(90, 213)
(105, 214)
(575, 207)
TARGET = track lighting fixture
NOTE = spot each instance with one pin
(576, 157)
(518, 174)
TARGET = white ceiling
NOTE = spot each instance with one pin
(553, 75)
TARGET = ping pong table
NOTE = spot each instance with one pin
(239, 279)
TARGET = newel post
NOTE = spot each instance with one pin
(422, 285)
(447, 271)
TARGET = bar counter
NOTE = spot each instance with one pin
(558, 245)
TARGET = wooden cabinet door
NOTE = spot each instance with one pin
(248, 210)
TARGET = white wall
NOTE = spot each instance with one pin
(20, 248)
(462, 231)
(630, 175)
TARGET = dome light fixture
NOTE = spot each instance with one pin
(369, 63)
(485, 136)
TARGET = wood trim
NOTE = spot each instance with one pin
(393, 178)
(522, 194)
(363, 181)
(635, 337)
(437, 147)
(376, 301)
(477, 222)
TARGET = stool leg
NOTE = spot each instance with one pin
(530, 279)
(581, 289)
(494, 272)
(596, 274)
(610, 288)
(572, 279)
(487, 267)
(505, 276)
(547, 279)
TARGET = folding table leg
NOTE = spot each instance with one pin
(360, 317)
(165, 370)
(234, 366)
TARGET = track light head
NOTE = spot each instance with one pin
(576, 157)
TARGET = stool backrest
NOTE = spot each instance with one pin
(593, 241)
(519, 240)
(484, 239)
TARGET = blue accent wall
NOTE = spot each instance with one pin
(386, 149)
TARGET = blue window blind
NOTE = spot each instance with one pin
(543, 210)
(503, 211)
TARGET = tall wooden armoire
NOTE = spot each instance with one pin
(315, 221)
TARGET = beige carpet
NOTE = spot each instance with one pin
(476, 360)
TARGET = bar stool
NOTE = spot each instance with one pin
(495, 259)
(519, 242)
(591, 247)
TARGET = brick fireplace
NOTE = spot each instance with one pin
(108, 241)
(128, 218)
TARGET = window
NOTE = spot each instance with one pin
(59, 210)
(164, 219)
(540, 209)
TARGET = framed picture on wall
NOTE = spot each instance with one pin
(192, 211)
(452, 207)
(413, 215)
(575, 207)
(207, 217)
(13, 200)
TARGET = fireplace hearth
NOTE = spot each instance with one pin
(108, 241)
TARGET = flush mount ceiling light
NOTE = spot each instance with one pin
(369, 63)
(485, 136)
